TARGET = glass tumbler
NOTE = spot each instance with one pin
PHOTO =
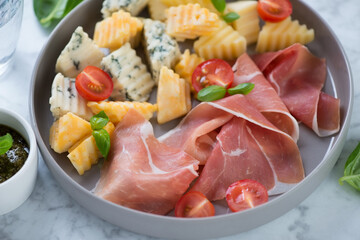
(11, 12)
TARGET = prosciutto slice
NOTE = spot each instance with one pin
(248, 146)
(196, 133)
(141, 172)
(264, 96)
(298, 77)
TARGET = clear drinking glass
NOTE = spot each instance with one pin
(11, 12)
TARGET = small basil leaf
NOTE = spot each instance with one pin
(99, 120)
(6, 143)
(352, 169)
(243, 88)
(211, 93)
(220, 5)
(102, 139)
(230, 17)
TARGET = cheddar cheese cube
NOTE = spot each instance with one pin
(68, 130)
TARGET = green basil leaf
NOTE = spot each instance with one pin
(99, 120)
(50, 12)
(6, 143)
(102, 139)
(211, 93)
(220, 5)
(230, 17)
(243, 88)
(352, 169)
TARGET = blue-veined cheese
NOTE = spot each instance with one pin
(65, 98)
(80, 52)
(128, 73)
(134, 7)
(160, 48)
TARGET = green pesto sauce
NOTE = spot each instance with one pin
(15, 157)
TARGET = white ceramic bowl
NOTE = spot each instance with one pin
(18, 188)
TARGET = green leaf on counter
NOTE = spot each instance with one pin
(6, 143)
(230, 17)
(102, 139)
(243, 88)
(352, 169)
(211, 93)
(50, 12)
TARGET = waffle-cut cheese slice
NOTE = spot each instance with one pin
(115, 31)
(277, 36)
(117, 110)
(190, 21)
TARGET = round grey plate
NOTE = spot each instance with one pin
(319, 154)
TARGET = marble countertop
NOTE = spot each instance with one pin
(330, 212)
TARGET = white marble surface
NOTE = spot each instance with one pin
(330, 212)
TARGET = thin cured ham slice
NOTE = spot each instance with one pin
(298, 77)
(249, 147)
(264, 96)
(195, 134)
(141, 172)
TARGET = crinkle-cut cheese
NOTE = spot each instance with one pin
(248, 25)
(173, 96)
(160, 48)
(190, 21)
(157, 10)
(86, 153)
(224, 43)
(65, 98)
(128, 71)
(203, 3)
(277, 36)
(115, 31)
(187, 65)
(68, 130)
(117, 110)
(80, 52)
(134, 7)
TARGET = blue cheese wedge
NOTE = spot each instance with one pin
(80, 52)
(160, 48)
(65, 98)
(134, 7)
(129, 74)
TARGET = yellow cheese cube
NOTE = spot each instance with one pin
(173, 96)
(68, 130)
(86, 153)
(248, 25)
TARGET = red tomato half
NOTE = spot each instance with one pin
(212, 72)
(94, 84)
(245, 194)
(274, 10)
(194, 204)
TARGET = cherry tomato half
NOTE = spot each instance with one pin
(274, 10)
(94, 84)
(194, 204)
(212, 72)
(245, 194)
